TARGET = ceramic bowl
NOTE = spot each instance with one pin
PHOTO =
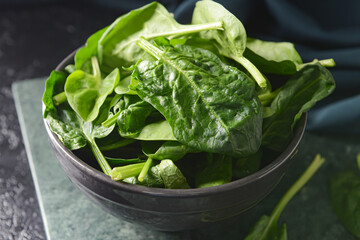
(173, 209)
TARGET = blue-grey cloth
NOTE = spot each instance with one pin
(318, 28)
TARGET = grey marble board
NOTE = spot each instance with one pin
(67, 214)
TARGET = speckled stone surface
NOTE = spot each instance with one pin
(67, 214)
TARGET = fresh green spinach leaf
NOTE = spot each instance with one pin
(308, 86)
(172, 176)
(209, 105)
(117, 46)
(86, 93)
(231, 42)
(273, 57)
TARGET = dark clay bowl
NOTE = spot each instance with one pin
(173, 209)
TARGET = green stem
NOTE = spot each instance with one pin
(59, 98)
(119, 144)
(304, 178)
(109, 122)
(257, 75)
(145, 169)
(188, 29)
(324, 62)
(358, 160)
(156, 52)
(100, 158)
(120, 173)
(95, 66)
(268, 97)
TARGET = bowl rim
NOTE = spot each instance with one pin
(287, 154)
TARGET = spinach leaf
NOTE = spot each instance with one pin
(345, 198)
(210, 106)
(84, 54)
(54, 85)
(232, 41)
(64, 123)
(266, 228)
(152, 179)
(169, 150)
(86, 93)
(157, 131)
(76, 133)
(309, 85)
(123, 86)
(217, 171)
(117, 46)
(172, 176)
(273, 57)
(132, 119)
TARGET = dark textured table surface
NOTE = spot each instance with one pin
(33, 40)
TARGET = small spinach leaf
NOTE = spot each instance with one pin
(273, 57)
(172, 176)
(86, 93)
(169, 150)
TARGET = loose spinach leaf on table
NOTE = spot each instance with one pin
(266, 228)
(301, 92)
(87, 92)
(345, 198)
(273, 57)
(210, 106)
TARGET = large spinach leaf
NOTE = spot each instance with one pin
(209, 105)
(231, 42)
(87, 92)
(266, 228)
(117, 46)
(309, 85)
(345, 198)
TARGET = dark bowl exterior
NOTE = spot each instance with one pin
(173, 209)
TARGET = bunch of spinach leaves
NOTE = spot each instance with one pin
(163, 104)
